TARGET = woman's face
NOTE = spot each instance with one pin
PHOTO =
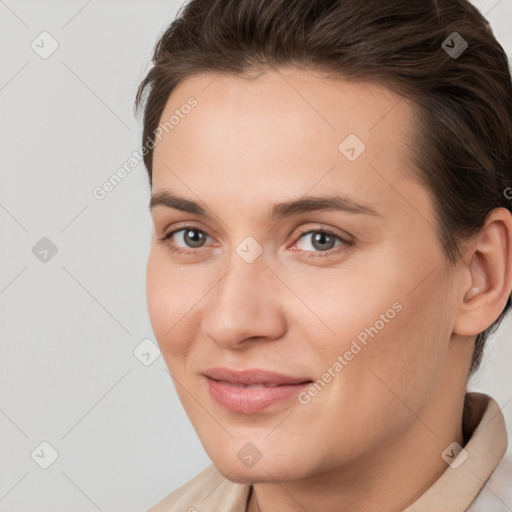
(365, 311)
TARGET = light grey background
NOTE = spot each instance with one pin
(69, 326)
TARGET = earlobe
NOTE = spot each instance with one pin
(489, 265)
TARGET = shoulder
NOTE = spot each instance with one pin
(207, 491)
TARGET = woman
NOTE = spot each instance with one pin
(332, 248)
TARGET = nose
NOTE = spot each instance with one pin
(245, 304)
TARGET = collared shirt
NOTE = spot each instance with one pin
(478, 479)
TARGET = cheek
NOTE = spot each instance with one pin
(381, 320)
(171, 298)
(406, 356)
(345, 304)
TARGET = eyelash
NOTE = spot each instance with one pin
(311, 254)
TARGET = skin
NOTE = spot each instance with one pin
(372, 438)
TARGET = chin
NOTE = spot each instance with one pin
(262, 471)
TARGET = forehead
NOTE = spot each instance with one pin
(286, 130)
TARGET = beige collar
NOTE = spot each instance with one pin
(456, 488)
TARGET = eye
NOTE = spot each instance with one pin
(322, 241)
(190, 236)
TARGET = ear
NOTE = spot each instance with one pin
(487, 275)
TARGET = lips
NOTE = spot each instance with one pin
(251, 391)
(253, 377)
(250, 386)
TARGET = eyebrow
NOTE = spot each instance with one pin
(277, 211)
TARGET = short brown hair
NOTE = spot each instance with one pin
(463, 139)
